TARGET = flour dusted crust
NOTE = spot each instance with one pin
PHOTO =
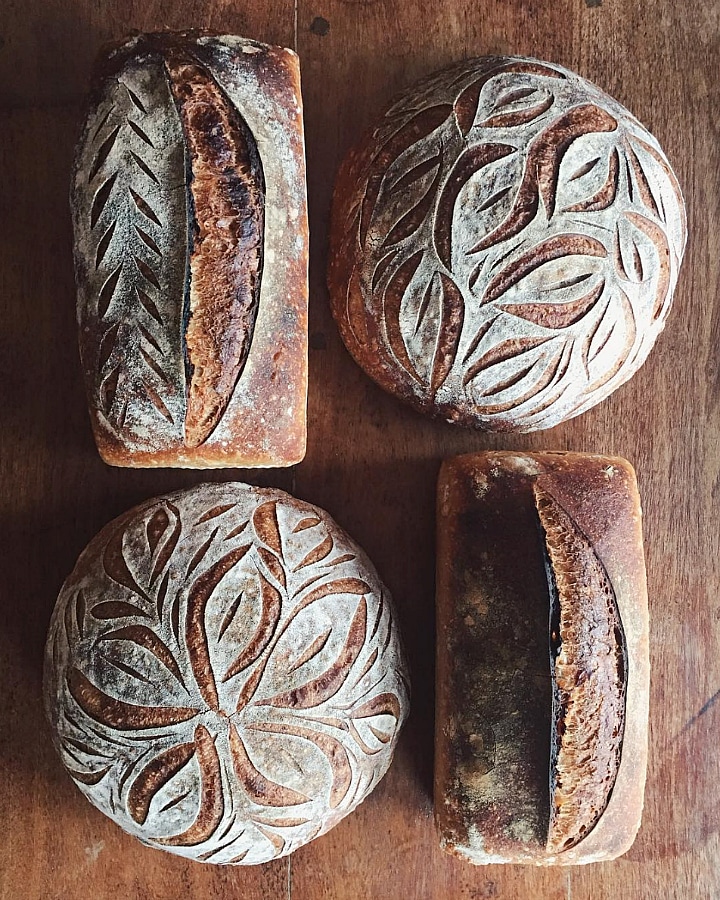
(505, 244)
(542, 658)
(223, 673)
(190, 221)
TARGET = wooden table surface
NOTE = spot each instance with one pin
(371, 462)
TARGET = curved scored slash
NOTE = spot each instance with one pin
(88, 778)
(278, 842)
(505, 350)
(117, 609)
(226, 256)
(326, 685)
(212, 804)
(392, 303)
(116, 713)
(266, 526)
(662, 248)
(273, 565)
(589, 677)
(154, 776)
(366, 748)
(259, 788)
(168, 548)
(156, 527)
(311, 650)
(386, 704)
(195, 630)
(318, 553)
(332, 749)
(451, 324)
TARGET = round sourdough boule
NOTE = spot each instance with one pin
(505, 244)
(223, 673)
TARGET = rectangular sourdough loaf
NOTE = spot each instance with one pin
(542, 658)
(191, 242)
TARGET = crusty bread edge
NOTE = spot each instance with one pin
(615, 529)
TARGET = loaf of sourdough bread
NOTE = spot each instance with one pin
(505, 244)
(224, 676)
(191, 243)
(542, 658)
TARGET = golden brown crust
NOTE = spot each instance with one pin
(228, 202)
(192, 267)
(490, 562)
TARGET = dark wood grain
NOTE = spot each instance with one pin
(371, 462)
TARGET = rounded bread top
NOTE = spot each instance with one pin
(223, 675)
(505, 245)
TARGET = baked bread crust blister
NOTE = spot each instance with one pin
(224, 675)
(504, 246)
(191, 252)
(542, 658)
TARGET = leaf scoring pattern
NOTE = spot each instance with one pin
(499, 202)
(212, 675)
(143, 168)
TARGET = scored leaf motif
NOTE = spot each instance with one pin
(417, 127)
(119, 229)
(468, 163)
(154, 776)
(467, 104)
(258, 787)
(243, 633)
(195, 632)
(269, 617)
(212, 804)
(117, 714)
(145, 637)
(332, 749)
(502, 205)
(411, 220)
(325, 685)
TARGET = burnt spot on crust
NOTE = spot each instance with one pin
(588, 661)
(227, 231)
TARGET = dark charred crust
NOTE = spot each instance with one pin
(498, 697)
(588, 667)
(572, 521)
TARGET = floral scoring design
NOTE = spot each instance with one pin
(223, 674)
